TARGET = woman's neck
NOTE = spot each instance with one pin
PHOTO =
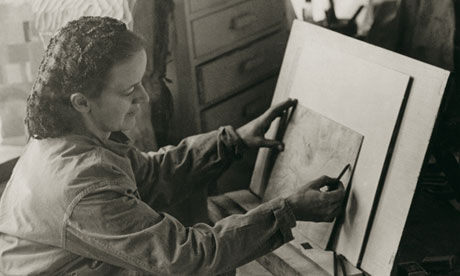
(87, 128)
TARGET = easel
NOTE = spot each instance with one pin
(316, 70)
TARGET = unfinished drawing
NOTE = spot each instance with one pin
(314, 146)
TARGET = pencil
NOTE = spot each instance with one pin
(343, 171)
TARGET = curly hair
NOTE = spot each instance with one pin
(77, 60)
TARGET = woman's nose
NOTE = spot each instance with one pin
(142, 96)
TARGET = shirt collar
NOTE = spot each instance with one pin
(117, 142)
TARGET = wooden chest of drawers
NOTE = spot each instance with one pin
(227, 55)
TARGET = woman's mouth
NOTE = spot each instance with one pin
(132, 113)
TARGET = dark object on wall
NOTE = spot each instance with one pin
(411, 269)
(343, 26)
(439, 263)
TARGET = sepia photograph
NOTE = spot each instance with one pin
(229, 137)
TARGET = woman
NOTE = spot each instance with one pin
(82, 200)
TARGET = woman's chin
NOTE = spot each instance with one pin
(128, 124)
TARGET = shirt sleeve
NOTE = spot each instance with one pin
(174, 172)
(112, 225)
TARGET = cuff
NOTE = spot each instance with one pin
(285, 218)
(233, 141)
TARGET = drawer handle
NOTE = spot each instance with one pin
(252, 64)
(243, 21)
(254, 108)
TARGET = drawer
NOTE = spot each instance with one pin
(235, 23)
(240, 109)
(199, 5)
(240, 68)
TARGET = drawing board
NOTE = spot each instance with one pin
(354, 92)
(314, 146)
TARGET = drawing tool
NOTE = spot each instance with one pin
(339, 220)
(335, 185)
(343, 172)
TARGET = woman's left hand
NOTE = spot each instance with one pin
(253, 132)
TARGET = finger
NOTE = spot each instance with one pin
(321, 182)
(340, 210)
(278, 109)
(338, 194)
(332, 213)
(334, 185)
(336, 212)
(336, 205)
(266, 143)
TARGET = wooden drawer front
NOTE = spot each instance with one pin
(232, 72)
(199, 5)
(235, 23)
(240, 109)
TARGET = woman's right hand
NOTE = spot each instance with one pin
(309, 203)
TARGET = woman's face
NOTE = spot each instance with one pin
(119, 102)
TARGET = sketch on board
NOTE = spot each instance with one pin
(314, 146)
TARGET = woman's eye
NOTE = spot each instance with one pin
(130, 90)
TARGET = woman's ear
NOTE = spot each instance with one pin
(80, 102)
